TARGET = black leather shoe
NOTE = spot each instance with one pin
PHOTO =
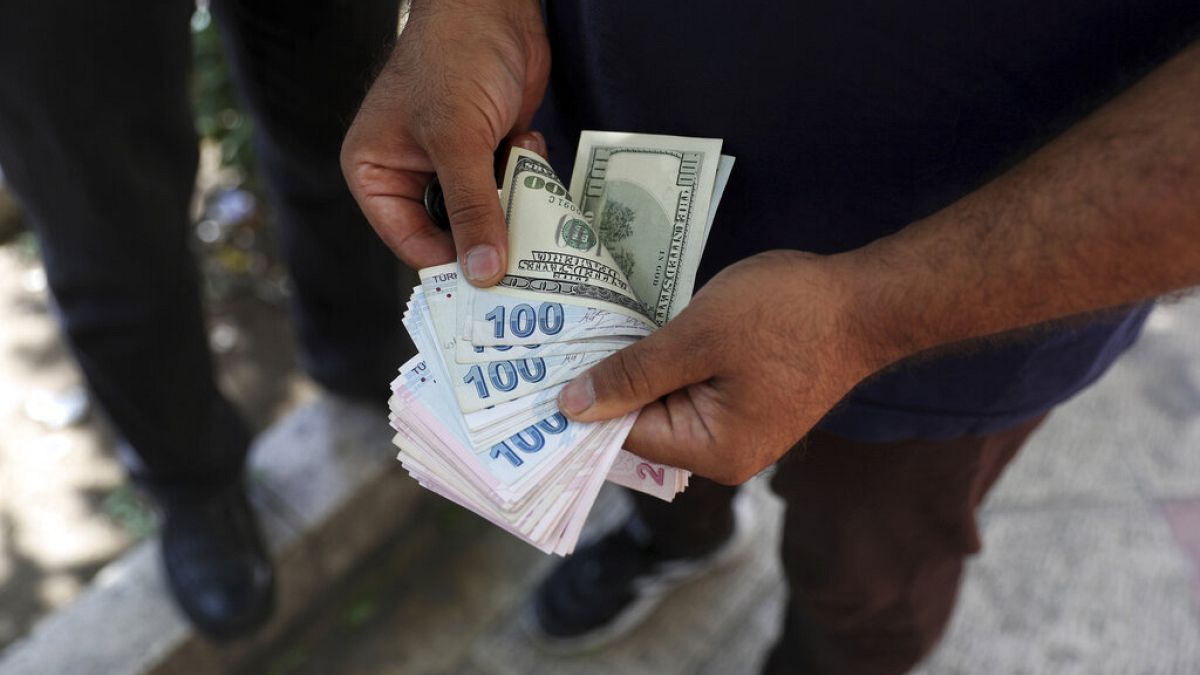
(216, 562)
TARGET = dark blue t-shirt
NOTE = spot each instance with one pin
(850, 120)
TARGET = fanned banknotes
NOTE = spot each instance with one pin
(591, 270)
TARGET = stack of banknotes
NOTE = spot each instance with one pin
(590, 270)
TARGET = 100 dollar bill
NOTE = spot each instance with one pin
(554, 253)
(649, 199)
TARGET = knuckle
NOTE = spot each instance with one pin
(470, 216)
(350, 153)
(449, 134)
(630, 376)
(347, 152)
(703, 338)
(348, 158)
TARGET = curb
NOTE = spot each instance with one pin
(328, 491)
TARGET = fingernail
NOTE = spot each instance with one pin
(533, 141)
(482, 262)
(577, 396)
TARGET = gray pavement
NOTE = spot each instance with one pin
(66, 506)
(58, 482)
(1089, 562)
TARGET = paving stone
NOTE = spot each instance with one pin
(1073, 461)
(1133, 435)
(1160, 388)
(122, 624)
(1183, 517)
(331, 471)
(745, 646)
(689, 631)
(1087, 591)
(449, 578)
(453, 608)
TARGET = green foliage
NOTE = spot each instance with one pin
(27, 248)
(360, 612)
(130, 511)
(291, 661)
(218, 112)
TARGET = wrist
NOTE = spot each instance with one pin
(873, 311)
(816, 305)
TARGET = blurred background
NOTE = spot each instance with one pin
(66, 508)
(1092, 538)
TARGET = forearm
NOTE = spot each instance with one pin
(1105, 215)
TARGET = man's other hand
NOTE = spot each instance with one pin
(763, 351)
(464, 75)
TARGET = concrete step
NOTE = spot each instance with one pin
(328, 491)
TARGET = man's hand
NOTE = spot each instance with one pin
(465, 74)
(761, 353)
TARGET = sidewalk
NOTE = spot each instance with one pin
(1092, 546)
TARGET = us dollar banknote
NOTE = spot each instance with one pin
(554, 253)
(649, 200)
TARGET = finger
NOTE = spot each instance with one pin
(679, 431)
(408, 230)
(400, 220)
(533, 141)
(667, 360)
(537, 76)
(669, 431)
(480, 236)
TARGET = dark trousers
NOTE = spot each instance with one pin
(97, 140)
(874, 539)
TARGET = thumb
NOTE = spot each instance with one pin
(480, 235)
(666, 360)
